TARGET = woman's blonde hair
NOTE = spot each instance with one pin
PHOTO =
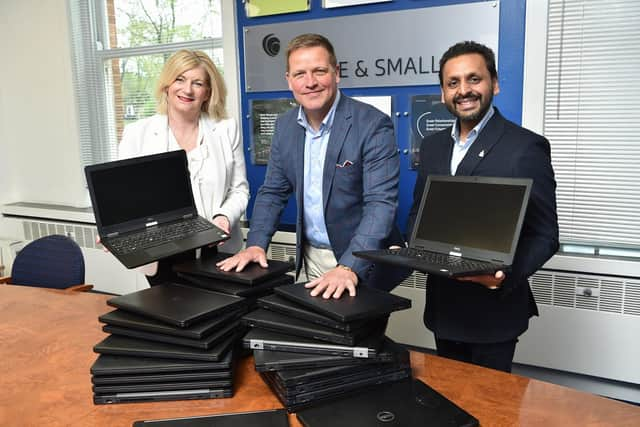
(185, 60)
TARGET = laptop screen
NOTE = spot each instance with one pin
(142, 189)
(472, 212)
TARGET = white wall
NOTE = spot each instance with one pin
(39, 142)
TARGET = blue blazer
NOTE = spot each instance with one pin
(359, 190)
(468, 312)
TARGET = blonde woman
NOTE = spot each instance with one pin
(191, 116)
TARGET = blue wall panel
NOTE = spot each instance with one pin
(510, 73)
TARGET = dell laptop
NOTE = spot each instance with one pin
(274, 321)
(466, 226)
(268, 418)
(199, 330)
(205, 343)
(269, 360)
(407, 403)
(252, 274)
(262, 339)
(369, 303)
(177, 305)
(284, 306)
(145, 210)
(107, 365)
(161, 395)
(233, 288)
(125, 346)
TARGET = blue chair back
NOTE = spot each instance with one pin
(53, 261)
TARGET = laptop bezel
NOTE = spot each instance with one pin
(503, 258)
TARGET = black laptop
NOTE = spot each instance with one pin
(318, 379)
(466, 225)
(274, 321)
(296, 401)
(368, 303)
(107, 365)
(252, 273)
(284, 306)
(269, 418)
(177, 305)
(165, 377)
(144, 208)
(234, 288)
(207, 342)
(163, 386)
(265, 360)
(126, 346)
(261, 339)
(196, 331)
(162, 395)
(408, 403)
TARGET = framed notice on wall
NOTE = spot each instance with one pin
(264, 113)
(256, 8)
(428, 116)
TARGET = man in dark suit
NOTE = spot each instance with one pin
(478, 319)
(339, 157)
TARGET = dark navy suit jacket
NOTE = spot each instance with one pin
(360, 185)
(469, 312)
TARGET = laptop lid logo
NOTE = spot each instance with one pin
(385, 416)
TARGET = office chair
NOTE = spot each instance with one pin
(49, 262)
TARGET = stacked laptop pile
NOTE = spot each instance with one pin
(168, 342)
(252, 282)
(309, 349)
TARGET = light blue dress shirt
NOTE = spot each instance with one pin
(460, 148)
(315, 150)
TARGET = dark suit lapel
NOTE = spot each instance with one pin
(339, 131)
(483, 145)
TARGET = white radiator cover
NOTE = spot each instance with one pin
(589, 323)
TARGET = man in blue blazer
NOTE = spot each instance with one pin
(339, 157)
(478, 319)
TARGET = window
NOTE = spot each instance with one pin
(119, 48)
(592, 120)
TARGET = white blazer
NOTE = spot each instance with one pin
(217, 167)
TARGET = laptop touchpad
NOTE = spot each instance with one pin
(162, 249)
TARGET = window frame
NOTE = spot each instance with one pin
(573, 256)
(95, 107)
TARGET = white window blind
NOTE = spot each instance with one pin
(119, 48)
(592, 119)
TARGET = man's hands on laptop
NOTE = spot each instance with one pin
(490, 281)
(334, 282)
(240, 260)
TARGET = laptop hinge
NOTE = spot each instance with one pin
(453, 253)
(151, 224)
(114, 234)
(187, 216)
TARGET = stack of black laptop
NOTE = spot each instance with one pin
(168, 342)
(309, 349)
(252, 282)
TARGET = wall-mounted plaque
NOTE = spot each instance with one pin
(428, 116)
(264, 113)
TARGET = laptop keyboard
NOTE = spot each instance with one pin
(453, 263)
(158, 235)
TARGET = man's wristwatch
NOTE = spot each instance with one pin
(344, 267)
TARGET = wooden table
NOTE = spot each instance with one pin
(46, 340)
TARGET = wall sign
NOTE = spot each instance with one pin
(398, 48)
